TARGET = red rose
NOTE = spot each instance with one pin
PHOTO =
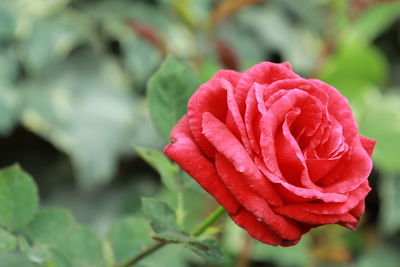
(280, 153)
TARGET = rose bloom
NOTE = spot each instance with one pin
(279, 152)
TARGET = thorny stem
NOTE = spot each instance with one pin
(210, 220)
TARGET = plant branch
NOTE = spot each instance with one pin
(210, 220)
(142, 254)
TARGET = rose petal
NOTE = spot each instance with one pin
(351, 172)
(183, 148)
(252, 119)
(336, 208)
(356, 212)
(303, 216)
(235, 115)
(252, 202)
(273, 118)
(368, 144)
(299, 83)
(264, 73)
(225, 143)
(210, 97)
(298, 191)
(318, 168)
(339, 107)
(255, 228)
(290, 157)
(279, 88)
(335, 142)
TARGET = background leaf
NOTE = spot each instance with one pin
(376, 111)
(7, 241)
(82, 247)
(49, 226)
(88, 112)
(213, 252)
(389, 218)
(374, 21)
(128, 236)
(14, 259)
(345, 70)
(35, 253)
(168, 92)
(168, 171)
(162, 218)
(18, 198)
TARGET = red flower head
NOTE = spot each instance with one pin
(280, 153)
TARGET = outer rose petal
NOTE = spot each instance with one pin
(303, 216)
(336, 208)
(256, 205)
(210, 97)
(368, 144)
(226, 144)
(183, 148)
(255, 228)
(356, 212)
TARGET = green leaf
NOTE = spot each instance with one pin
(57, 260)
(128, 236)
(49, 225)
(82, 247)
(212, 253)
(179, 238)
(386, 256)
(207, 249)
(379, 118)
(18, 198)
(8, 23)
(35, 253)
(374, 20)
(9, 107)
(51, 39)
(168, 171)
(84, 108)
(168, 92)
(346, 70)
(389, 215)
(170, 255)
(7, 241)
(14, 259)
(162, 218)
(276, 33)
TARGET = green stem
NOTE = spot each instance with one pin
(208, 222)
(142, 254)
(211, 219)
(180, 212)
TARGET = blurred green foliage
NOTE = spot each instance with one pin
(73, 75)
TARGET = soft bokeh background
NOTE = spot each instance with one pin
(73, 75)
